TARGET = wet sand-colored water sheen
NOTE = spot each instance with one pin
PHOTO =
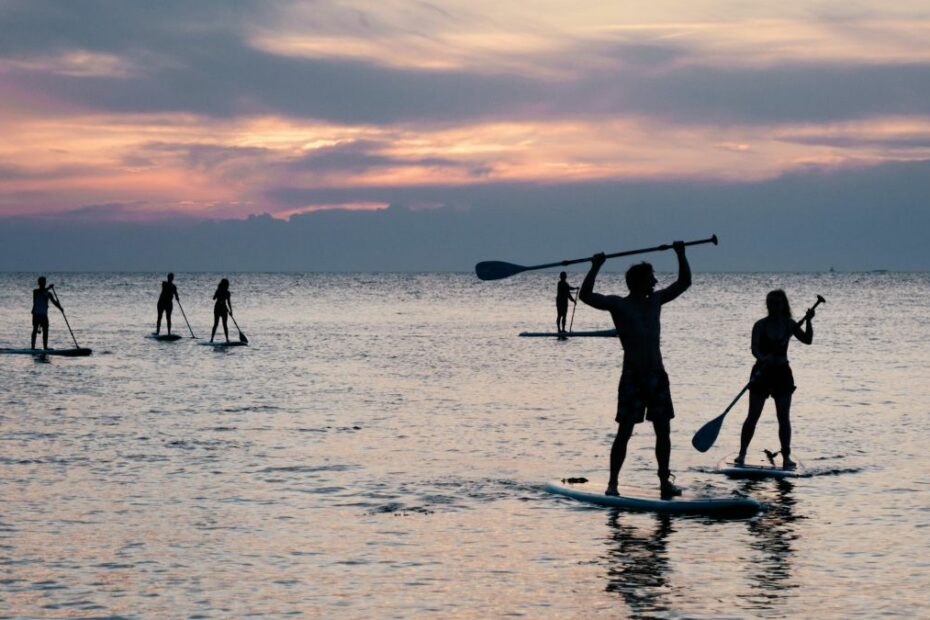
(380, 448)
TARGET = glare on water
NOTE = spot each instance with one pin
(380, 449)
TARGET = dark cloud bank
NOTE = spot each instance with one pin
(874, 218)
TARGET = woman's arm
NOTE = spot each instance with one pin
(757, 341)
(805, 336)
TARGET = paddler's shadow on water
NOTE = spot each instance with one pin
(773, 534)
(637, 561)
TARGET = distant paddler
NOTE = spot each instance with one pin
(40, 298)
(222, 308)
(562, 296)
(771, 374)
(169, 292)
(644, 392)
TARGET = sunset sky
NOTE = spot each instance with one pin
(221, 109)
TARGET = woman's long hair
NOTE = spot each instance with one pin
(776, 298)
(223, 286)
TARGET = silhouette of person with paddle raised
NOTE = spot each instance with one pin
(222, 307)
(771, 374)
(644, 392)
(169, 292)
(40, 298)
(562, 296)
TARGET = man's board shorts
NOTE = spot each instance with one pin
(644, 398)
(40, 320)
(773, 380)
(561, 307)
(167, 306)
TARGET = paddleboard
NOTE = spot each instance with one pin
(601, 333)
(63, 352)
(164, 337)
(758, 469)
(233, 343)
(642, 500)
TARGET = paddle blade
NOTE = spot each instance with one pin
(242, 338)
(497, 270)
(707, 434)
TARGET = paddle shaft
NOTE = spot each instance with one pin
(65, 317)
(185, 317)
(658, 248)
(242, 337)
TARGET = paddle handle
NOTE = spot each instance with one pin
(807, 315)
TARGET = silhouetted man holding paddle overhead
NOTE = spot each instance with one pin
(644, 392)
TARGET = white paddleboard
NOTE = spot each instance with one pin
(760, 468)
(642, 500)
(63, 352)
(601, 333)
(164, 337)
(232, 343)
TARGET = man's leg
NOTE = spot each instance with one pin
(158, 321)
(168, 319)
(663, 430)
(618, 454)
(45, 335)
(35, 330)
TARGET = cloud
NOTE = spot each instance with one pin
(198, 58)
(850, 219)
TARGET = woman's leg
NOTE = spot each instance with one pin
(225, 328)
(783, 411)
(158, 322)
(216, 321)
(756, 402)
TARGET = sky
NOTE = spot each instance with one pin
(530, 129)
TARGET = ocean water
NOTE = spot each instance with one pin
(380, 451)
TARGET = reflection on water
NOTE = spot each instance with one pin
(378, 450)
(641, 568)
(773, 535)
(637, 563)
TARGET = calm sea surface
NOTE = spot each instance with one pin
(380, 450)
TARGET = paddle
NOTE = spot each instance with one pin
(58, 302)
(185, 317)
(497, 270)
(707, 434)
(242, 337)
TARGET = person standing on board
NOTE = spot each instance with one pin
(169, 292)
(771, 374)
(562, 296)
(222, 307)
(644, 392)
(40, 298)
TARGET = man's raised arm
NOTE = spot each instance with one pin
(587, 294)
(683, 282)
